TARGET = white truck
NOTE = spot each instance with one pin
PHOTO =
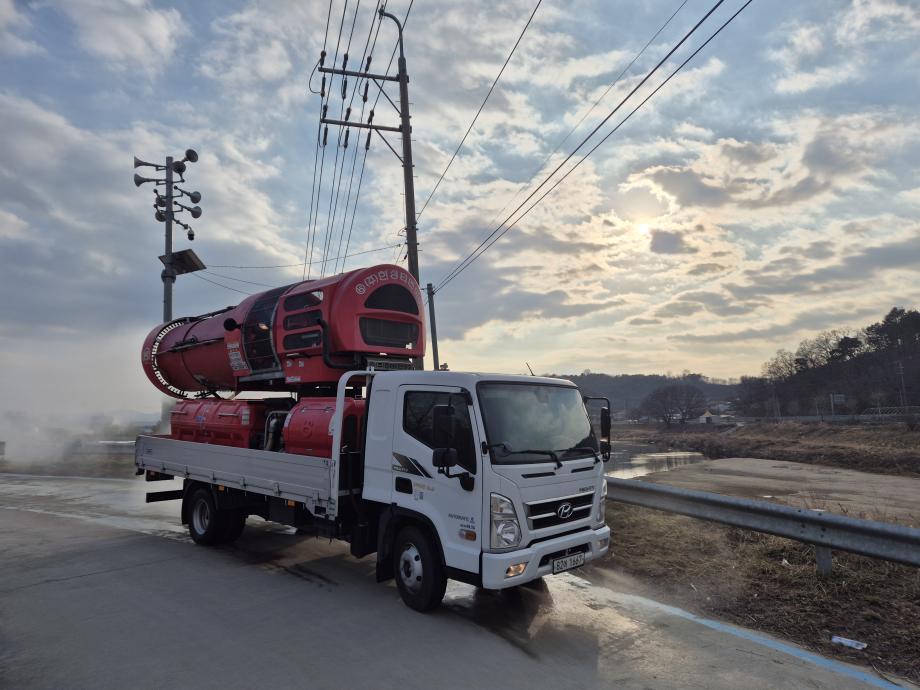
(491, 480)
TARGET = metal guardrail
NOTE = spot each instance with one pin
(825, 530)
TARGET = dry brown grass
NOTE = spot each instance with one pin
(888, 449)
(768, 583)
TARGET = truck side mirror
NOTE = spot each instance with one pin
(443, 458)
(605, 433)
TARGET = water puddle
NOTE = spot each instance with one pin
(631, 460)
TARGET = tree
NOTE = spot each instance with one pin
(674, 402)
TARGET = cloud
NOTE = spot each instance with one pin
(704, 269)
(125, 35)
(12, 23)
(641, 321)
(677, 309)
(664, 242)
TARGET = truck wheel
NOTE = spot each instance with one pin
(205, 523)
(420, 576)
(234, 523)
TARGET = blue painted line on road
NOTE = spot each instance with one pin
(817, 660)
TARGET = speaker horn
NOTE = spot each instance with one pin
(139, 163)
(138, 180)
(191, 155)
(195, 197)
(179, 167)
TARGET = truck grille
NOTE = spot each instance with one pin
(541, 514)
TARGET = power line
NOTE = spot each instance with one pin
(238, 280)
(308, 258)
(481, 106)
(335, 189)
(587, 112)
(595, 147)
(376, 101)
(298, 265)
(461, 266)
(354, 157)
(214, 282)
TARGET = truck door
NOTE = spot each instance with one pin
(455, 511)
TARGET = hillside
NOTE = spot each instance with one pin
(626, 391)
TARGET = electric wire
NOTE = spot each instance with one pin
(214, 282)
(298, 265)
(319, 129)
(587, 113)
(461, 265)
(334, 189)
(308, 264)
(598, 144)
(238, 280)
(479, 111)
(354, 158)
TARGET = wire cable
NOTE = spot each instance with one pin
(459, 266)
(214, 282)
(599, 143)
(238, 280)
(298, 265)
(479, 111)
(588, 112)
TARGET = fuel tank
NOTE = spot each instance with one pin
(292, 337)
(308, 426)
(239, 423)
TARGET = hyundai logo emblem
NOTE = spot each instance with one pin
(564, 511)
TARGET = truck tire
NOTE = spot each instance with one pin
(419, 574)
(206, 524)
(234, 523)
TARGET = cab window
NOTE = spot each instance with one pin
(418, 422)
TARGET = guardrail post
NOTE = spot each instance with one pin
(824, 560)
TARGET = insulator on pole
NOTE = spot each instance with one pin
(347, 113)
(344, 88)
(345, 61)
(367, 65)
(325, 134)
(367, 144)
(325, 110)
(322, 89)
(347, 132)
(322, 58)
(365, 91)
(370, 118)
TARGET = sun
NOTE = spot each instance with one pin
(643, 229)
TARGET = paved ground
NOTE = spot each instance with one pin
(99, 590)
(859, 494)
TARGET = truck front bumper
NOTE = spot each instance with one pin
(539, 557)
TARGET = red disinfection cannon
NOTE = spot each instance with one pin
(292, 337)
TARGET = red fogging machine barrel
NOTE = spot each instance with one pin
(291, 337)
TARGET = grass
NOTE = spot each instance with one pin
(887, 449)
(771, 584)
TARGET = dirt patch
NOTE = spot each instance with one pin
(771, 584)
(844, 492)
(886, 449)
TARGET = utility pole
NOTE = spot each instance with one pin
(901, 373)
(169, 273)
(186, 261)
(405, 129)
(434, 327)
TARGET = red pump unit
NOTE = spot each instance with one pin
(293, 337)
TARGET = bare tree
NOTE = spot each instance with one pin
(677, 402)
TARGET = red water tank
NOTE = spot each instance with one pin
(239, 423)
(292, 337)
(308, 427)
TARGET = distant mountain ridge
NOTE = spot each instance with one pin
(626, 391)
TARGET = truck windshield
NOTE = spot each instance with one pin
(528, 423)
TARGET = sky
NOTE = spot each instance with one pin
(770, 190)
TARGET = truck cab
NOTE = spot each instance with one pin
(490, 479)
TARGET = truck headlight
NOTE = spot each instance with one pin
(504, 526)
(602, 503)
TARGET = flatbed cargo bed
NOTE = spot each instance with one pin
(301, 478)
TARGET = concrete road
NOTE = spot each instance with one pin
(99, 590)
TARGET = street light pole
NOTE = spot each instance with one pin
(169, 272)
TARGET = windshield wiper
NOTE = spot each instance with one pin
(548, 453)
(583, 449)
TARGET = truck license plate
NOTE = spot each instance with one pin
(567, 563)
